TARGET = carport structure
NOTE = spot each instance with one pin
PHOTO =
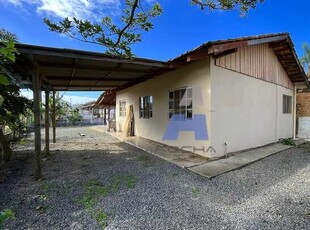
(54, 69)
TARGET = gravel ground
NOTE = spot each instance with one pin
(128, 188)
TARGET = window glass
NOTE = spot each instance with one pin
(180, 103)
(146, 107)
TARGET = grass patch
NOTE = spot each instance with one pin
(174, 174)
(143, 158)
(195, 191)
(94, 190)
(101, 218)
(131, 181)
(87, 200)
(45, 186)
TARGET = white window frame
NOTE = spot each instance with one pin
(175, 96)
(287, 102)
(146, 107)
(122, 108)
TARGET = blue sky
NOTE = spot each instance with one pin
(181, 27)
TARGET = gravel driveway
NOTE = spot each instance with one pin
(96, 181)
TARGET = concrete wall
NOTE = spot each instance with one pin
(303, 111)
(247, 112)
(194, 75)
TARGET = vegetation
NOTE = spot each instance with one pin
(143, 158)
(12, 104)
(5, 215)
(288, 141)
(95, 190)
(305, 59)
(135, 18)
(75, 116)
(101, 218)
(195, 191)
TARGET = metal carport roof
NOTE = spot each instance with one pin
(67, 69)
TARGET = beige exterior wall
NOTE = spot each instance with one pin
(194, 75)
(247, 111)
(242, 112)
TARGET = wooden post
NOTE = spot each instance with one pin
(37, 128)
(109, 113)
(54, 118)
(105, 116)
(47, 123)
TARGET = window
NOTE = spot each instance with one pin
(122, 108)
(146, 107)
(180, 103)
(287, 104)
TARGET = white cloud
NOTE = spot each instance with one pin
(74, 100)
(85, 9)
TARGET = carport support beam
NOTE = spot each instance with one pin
(37, 121)
(105, 116)
(47, 123)
(54, 118)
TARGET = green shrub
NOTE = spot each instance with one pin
(5, 215)
(288, 141)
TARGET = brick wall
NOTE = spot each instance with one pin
(303, 104)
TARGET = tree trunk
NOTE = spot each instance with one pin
(6, 148)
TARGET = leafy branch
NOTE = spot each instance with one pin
(242, 5)
(117, 39)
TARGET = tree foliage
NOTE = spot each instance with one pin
(241, 5)
(117, 38)
(7, 56)
(12, 104)
(305, 59)
(75, 116)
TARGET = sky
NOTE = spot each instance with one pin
(180, 28)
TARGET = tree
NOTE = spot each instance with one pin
(13, 105)
(75, 116)
(118, 37)
(305, 59)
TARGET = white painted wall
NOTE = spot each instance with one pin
(192, 75)
(247, 112)
(242, 111)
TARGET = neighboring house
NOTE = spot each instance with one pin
(106, 105)
(231, 94)
(61, 119)
(90, 113)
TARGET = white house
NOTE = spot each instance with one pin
(231, 94)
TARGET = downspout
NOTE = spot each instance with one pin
(294, 113)
(277, 104)
(277, 115)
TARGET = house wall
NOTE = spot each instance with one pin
(243, 108)
(196, 75)
(247, 109)
(303, 111)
